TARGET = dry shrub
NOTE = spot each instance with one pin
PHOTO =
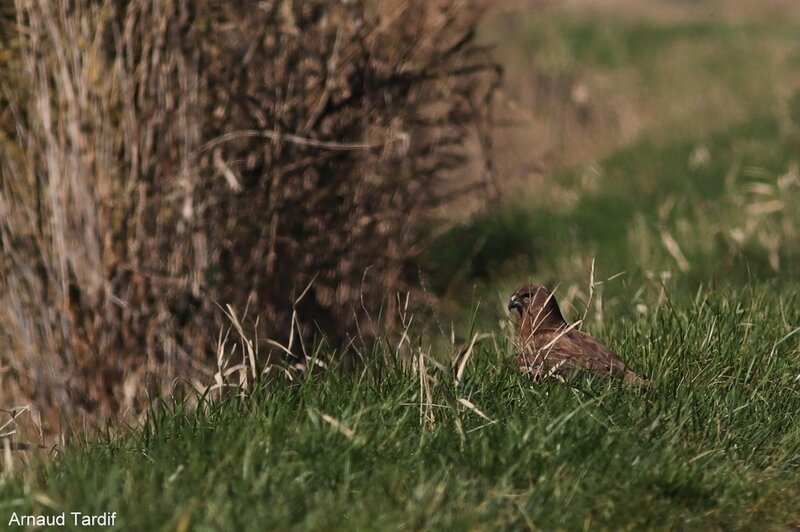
(170, 157)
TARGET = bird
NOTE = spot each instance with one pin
(551, 347)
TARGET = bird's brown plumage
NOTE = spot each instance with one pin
(551, 347)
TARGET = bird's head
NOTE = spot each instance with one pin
(537, 302)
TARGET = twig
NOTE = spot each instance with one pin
(277, 136)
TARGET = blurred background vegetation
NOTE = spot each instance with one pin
(159, 161)
(162, 160)
(658, 141)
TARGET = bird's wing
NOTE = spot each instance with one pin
(560, 351)
(597, 356)
(601, 359)
(551, 352)
(563, 351)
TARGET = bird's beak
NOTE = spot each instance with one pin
(514, 303)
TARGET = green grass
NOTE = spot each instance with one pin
(657, 76)
(615, 43)
(714, 444)
(629, 187)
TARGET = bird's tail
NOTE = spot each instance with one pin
(635, 380)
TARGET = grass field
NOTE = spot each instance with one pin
(675, 240)
(714, 444)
